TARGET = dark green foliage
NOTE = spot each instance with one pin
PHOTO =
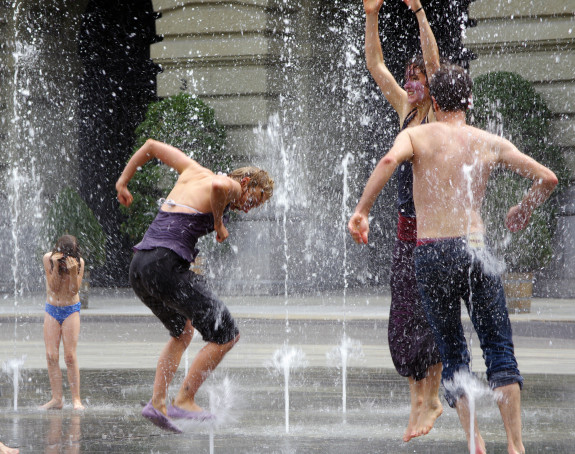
(184, 122)
(70, 215)
(506, 104)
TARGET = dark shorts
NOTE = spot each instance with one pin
(449, 271)
(411, 341)
(164, 282)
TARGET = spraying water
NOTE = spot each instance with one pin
(285, 360)
(473, 389)
(12, 367)
(339, 357)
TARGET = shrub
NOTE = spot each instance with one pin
(506, 104)
(70, 215)
(187, 123)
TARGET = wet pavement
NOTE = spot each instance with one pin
(120, 341)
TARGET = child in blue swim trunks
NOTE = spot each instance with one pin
(64, 269)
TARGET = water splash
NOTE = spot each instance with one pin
(339, 357)
(473, 389)
(12, 367)
(285, 360)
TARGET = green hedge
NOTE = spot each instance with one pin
(506, 104)
(187, 123)
(70, 215)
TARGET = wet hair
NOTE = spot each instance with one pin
(418, 62)
(68, 246)
(258, 178)
(451, 87)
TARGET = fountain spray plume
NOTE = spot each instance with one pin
(12, 367)
(467, 385)
(339, 357)
(285, 360)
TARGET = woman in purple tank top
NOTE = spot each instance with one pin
(411, 341)
(160, 270)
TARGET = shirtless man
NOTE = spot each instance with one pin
(451, 166)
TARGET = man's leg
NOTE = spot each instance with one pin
(204, 363)
(510, 409)
(168, 364)
(462, 407)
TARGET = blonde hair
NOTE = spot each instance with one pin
(257, 176)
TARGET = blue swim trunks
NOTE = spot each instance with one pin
(61, 313)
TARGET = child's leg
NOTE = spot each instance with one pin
(168, 364)
(204, 363)
(52, 336)
(70, 335)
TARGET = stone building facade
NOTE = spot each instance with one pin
(241, 57)
(536, 39)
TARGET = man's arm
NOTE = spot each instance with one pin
(428, 43)
(394, 94)
(544, 182)
(151, 149)
(401, 151)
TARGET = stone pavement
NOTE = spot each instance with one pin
(120, 342)
(118, 331)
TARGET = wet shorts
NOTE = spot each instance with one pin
(61, 313)
(163, 281)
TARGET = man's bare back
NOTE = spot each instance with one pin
(458, 159)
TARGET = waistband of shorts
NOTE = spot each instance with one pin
(475, 240)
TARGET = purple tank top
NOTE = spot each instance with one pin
(177, 231)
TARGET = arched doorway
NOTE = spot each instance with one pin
(117, 84)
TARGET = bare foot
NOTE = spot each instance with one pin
(427, 415)
(78, 406)
(411, 430)
(54, 404)
(6, 450)
(479, 445)
(512, 449)
(187, 405)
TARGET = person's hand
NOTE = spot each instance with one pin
(517, 218)
(221, 233)
(71, 265)
(358, 226)
(413, 5)
(56, 256)
(372, 6)
(124, 195)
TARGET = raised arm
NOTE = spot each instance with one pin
(426, 37)
(151, 149)
(394, 94)
(544, 182)
(76, 272)
(401, 151)
(53, 279)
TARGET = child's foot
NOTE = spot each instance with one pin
(410, 432)
(77, 405)
(6, 450)
(54, 404)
